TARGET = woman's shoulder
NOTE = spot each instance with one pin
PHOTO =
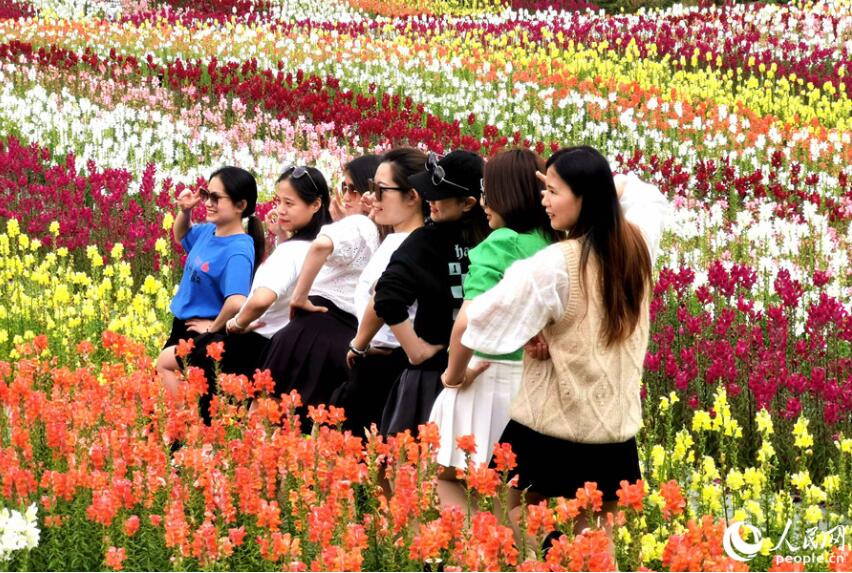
(512, 243)
(290, 248)
(234, 245)
(502, 234)
(544, 261)
(422, 234)
(502, 241)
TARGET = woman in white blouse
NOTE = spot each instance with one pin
(300, 212)
(308, 355)
(375, 358)
(576, 415)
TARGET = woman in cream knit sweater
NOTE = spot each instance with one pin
(576, 415)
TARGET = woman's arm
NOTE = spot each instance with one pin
(321, 249)
(416, 349)
(370, 324)
(646, 207)
(457, 374)
(368, 327)
(186, 202)
(229, 309)
(532, 294)
(257, 304)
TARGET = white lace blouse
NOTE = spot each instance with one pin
(355, 239)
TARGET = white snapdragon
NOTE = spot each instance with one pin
(18, 531)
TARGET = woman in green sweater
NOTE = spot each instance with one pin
(479, 387)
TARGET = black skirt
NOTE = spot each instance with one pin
(413, 395)
(309, 355)
(179, 332)
(364, 394)
(553, 467)
(242, 355)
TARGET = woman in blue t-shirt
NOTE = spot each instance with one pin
(220, 263)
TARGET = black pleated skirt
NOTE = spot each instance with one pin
(364, 394)
(243, 354)
(553, 467)
(309, 355)
(413, 395)
(179, 332)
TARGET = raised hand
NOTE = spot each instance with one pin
(188, 199)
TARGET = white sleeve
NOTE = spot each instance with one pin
(532, 293)
(352, 237)
(647, 208)
(280, 271)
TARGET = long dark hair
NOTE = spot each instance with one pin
(474, 222)
(361, 170)
(309, 188)
(405, 162)
(625, 263)
(240, 185)
(513, 191)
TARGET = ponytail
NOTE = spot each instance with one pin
(255, 231)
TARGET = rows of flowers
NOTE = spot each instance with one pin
(740, 114)
(85, 442)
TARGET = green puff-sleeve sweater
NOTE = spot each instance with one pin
(489, 261)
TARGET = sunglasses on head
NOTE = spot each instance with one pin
(299, 171)
(377, 189)
(206, 195)
(437, 172)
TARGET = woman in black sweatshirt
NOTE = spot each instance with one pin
(429, 268)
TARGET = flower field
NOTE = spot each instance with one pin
(741, 114)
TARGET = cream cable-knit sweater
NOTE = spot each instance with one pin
(586, 392)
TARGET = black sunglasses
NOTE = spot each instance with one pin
(348, 188)
(377, 189)
(206, 195)
(437, 172)
(300, 171)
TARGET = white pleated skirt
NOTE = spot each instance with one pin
(481, 409)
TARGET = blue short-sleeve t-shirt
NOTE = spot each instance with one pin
(216, 268)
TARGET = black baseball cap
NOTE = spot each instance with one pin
(462, 171)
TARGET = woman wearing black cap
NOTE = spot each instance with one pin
(428, 268)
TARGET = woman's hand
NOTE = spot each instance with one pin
(188, 199)
(537, 348)
(233, 327)
(367, 200)
(336, 208)
(198, 325)
(271, 221)
(423, 352)
(469, 376)
(303, 303)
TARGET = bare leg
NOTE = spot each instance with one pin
(450, 490)
(531, 498)
(167, 367)
(384, 482)
(599, 520)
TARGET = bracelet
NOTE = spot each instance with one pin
(229, 326)
(236, 323)
(357, 351)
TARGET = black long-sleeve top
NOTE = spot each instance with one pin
(428, 267)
